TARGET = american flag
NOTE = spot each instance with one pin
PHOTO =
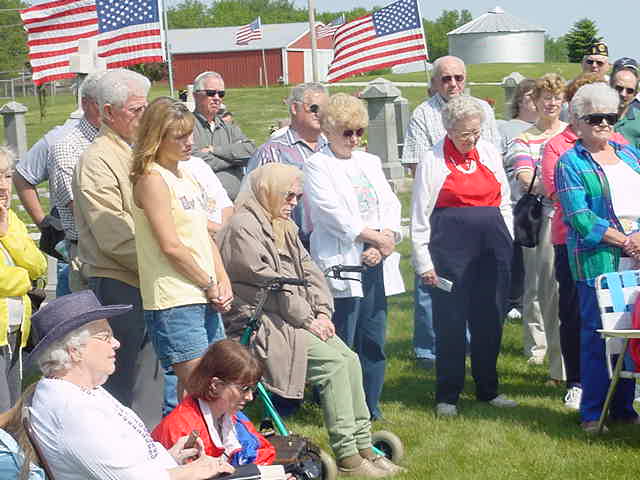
(248, 32)
(330, 28)
(389, 36)
(128, 32)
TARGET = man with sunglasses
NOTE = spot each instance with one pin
(596, 59)
(625, 81)
(296, 144)
(424, 131)
(221, 145)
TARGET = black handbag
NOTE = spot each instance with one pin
(527, 217)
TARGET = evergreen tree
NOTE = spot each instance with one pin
(555, 49)
(582, 35)
(13, 39)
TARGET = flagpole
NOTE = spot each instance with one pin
(314, 40)
(424, 40)
(167, 47)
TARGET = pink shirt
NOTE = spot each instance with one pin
(553, 150)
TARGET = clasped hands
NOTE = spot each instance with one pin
(632, 246)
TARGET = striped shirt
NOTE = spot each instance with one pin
(585, 196)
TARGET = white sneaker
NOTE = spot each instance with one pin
(572, 398)
(446, 410)
(514, 314)
(535, 360)
(501, 401)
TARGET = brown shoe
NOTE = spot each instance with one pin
(383, 463)
(365, 469)
(592, 427)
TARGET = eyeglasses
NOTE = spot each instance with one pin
(468, 135)
(137, 110)
(106, 337)
(448, 78)
(244, 389)
(350, 133)
(599, 63)
(212, 93)
(594, 119)
(620, 89)
(313, 108)
(289, 196)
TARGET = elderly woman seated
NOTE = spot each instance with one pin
(460, 228)
(221, 385)
(297, 340)
(597, 182)
(84, 432)
(20, 264)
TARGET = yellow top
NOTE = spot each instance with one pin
(161, 286)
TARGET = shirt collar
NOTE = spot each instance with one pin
(87, 128)
(114, 137)
(294, 138)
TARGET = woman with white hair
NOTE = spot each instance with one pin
(20, 264)
(460, 227)
(83, 432)
(597, 183)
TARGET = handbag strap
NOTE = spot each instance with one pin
(535, 172)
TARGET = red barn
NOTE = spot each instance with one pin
(286, 47)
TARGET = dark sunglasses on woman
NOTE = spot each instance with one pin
(594, 119)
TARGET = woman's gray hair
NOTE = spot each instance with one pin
(299, 92)
(7, 157)
(198, 82)
(592, 97)
(56, 358)
(115, 86)
(460, 107)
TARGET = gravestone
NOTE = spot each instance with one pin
(15, 127)
(403, 116)
(83, 63)
(380, 95)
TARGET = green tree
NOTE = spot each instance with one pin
(189, 14)
(555, 49)
(582, 35)
(13, 39)
(436, 30)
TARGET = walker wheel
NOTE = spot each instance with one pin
(329, 467)
(389, 444)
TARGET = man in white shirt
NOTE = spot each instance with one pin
(424, 131)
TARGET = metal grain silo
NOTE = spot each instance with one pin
(497, 37)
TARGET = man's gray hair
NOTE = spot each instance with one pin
(56, 358)
(7, 157)
(461, 107)
(115, 86)
(297, 93)
(198, 82)
(592, 97)
(89, 87)
(437, 65)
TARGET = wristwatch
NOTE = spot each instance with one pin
(211, 283)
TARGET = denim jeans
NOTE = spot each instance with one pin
(62, 287)
(424, 337)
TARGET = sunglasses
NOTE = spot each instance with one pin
(599, 63)
(289, 196)
(213, 93)
(594, 119)
(314, 107)
(245, 388)
(620, 89)
(448, 78)
(350, 133)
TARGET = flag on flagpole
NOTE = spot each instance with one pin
(250, 31)
(390, 36)
(128, 33)
(330, 28)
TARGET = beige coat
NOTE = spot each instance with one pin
(250, 256)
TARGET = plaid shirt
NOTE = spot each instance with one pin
(290, 149)
(585, 196)
(63, 157)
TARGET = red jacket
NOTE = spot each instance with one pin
(187, 417)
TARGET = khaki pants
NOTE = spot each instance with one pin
(541, 324)
(78, 279)
(335, 371)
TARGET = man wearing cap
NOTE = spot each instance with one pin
(596, 59)
(221, 145)
(625, 81)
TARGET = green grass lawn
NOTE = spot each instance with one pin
(538, 440)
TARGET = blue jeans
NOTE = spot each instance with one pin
(361, 323)
(62, 287)
(424, 337)
(593, 365)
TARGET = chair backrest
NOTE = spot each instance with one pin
(26, 423)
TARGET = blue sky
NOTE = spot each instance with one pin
(617, 22)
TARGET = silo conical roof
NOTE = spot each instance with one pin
(496, 20)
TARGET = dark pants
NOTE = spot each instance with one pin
(471, 247)
(569, 314)
(516, 288)
(593, 365)
(361, 323)
(129, 329)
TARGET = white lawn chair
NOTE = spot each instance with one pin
(617, 293)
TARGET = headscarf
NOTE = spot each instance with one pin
(267, 187)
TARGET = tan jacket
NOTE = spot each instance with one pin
(102, 207)
(250, 257)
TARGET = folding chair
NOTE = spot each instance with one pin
(616, 293)
(26, 423)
